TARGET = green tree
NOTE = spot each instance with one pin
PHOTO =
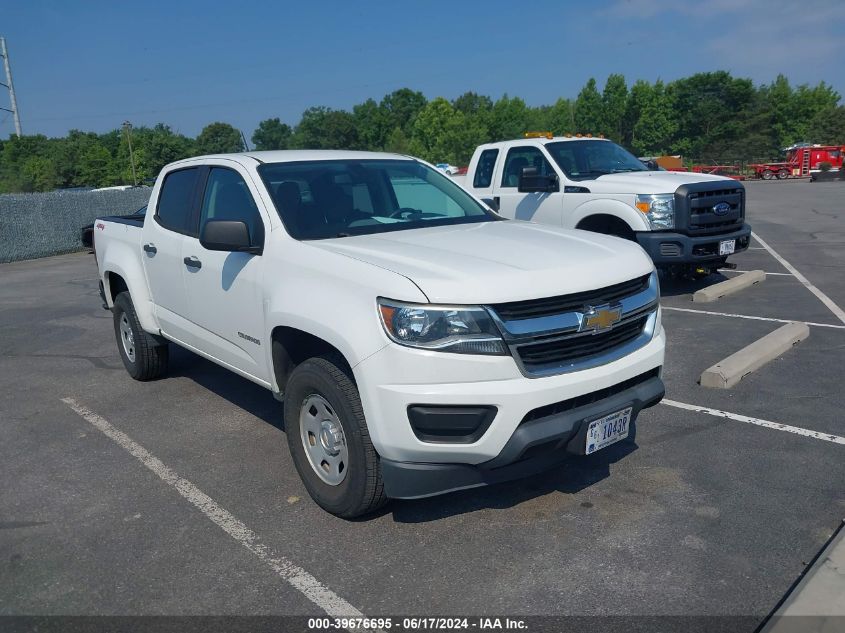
(443, 134)
(509, 119)
(371, 122)
(402, 107)
(614, 100)
(828, 126)
(96, 168)
(219, 138)
(272, 134)
(397, 142)
(324, 128)
(650, 110)
(589, 109)
(39, 174)
(562, 117)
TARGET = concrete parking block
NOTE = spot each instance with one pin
(729, 371)
(729, 286)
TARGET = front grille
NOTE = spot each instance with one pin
(588, 398)
(535, 308)
(536, 356)
(698, 201)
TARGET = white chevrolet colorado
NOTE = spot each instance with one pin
(688, 223)
(420, 343)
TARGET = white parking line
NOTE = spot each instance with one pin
(728, 270)
(753, 318)
(297, 577)
(756, 421)
(840, 314)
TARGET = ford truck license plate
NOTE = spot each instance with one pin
(726, 247)
(608, 430)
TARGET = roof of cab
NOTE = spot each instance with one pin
(291, 155)
(542, 140)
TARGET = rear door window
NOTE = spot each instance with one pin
(176, 200)
(484, 171)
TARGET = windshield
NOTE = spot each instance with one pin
(589, 159)
(325, 199)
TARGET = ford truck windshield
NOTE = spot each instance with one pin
(588, 159)
(338, 198)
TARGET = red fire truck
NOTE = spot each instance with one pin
(801, 160)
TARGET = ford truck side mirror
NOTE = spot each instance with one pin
(532, 182)
(228, 235)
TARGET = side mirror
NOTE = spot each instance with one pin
(491, 202)
(532, 182)
(227, 235)
(652, 165)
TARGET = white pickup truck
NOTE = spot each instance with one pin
(688, 223)
(419, 342)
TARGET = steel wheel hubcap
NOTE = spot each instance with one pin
(323, 439)
(127, 337)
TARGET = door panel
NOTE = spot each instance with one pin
(545, 208)
(225, 292)
(164, 235)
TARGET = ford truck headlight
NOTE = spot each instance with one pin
(659, 208)
(457, 329)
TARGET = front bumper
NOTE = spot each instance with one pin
(398, 378)
(536, 445)
(666, 248)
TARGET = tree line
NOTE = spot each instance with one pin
(709, 117)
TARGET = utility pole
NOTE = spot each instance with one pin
(5, 54)
(127, 128)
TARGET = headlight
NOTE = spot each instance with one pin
(659, 209)
(458, 329)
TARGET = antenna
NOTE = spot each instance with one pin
(14, 102)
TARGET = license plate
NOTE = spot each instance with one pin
(608, 430)
(726, 247)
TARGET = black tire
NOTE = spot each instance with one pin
(150, 356)
(768, 174)
(362, 489)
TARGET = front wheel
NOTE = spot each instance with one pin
(329, 441)
(143, 357)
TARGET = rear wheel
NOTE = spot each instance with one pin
(328, 438)
(143, 356)
(783, 174)
(768, 174)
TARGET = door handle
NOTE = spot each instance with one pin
(150, 248)
(192, 262)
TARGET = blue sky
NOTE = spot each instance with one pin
(92, 65)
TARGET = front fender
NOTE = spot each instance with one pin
(607, 206)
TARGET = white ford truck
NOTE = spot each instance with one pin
(688, 223)
(420, 343)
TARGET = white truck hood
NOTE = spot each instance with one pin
(648, 181)
(494, 262)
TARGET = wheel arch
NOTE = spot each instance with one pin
(634, 219)
(291, 345)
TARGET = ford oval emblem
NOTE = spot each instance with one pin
(722, 208)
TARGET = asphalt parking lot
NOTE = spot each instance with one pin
(703, 515)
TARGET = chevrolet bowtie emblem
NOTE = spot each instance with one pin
(600, 318)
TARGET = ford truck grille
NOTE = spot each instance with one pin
(709, 208)
(553, 336)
